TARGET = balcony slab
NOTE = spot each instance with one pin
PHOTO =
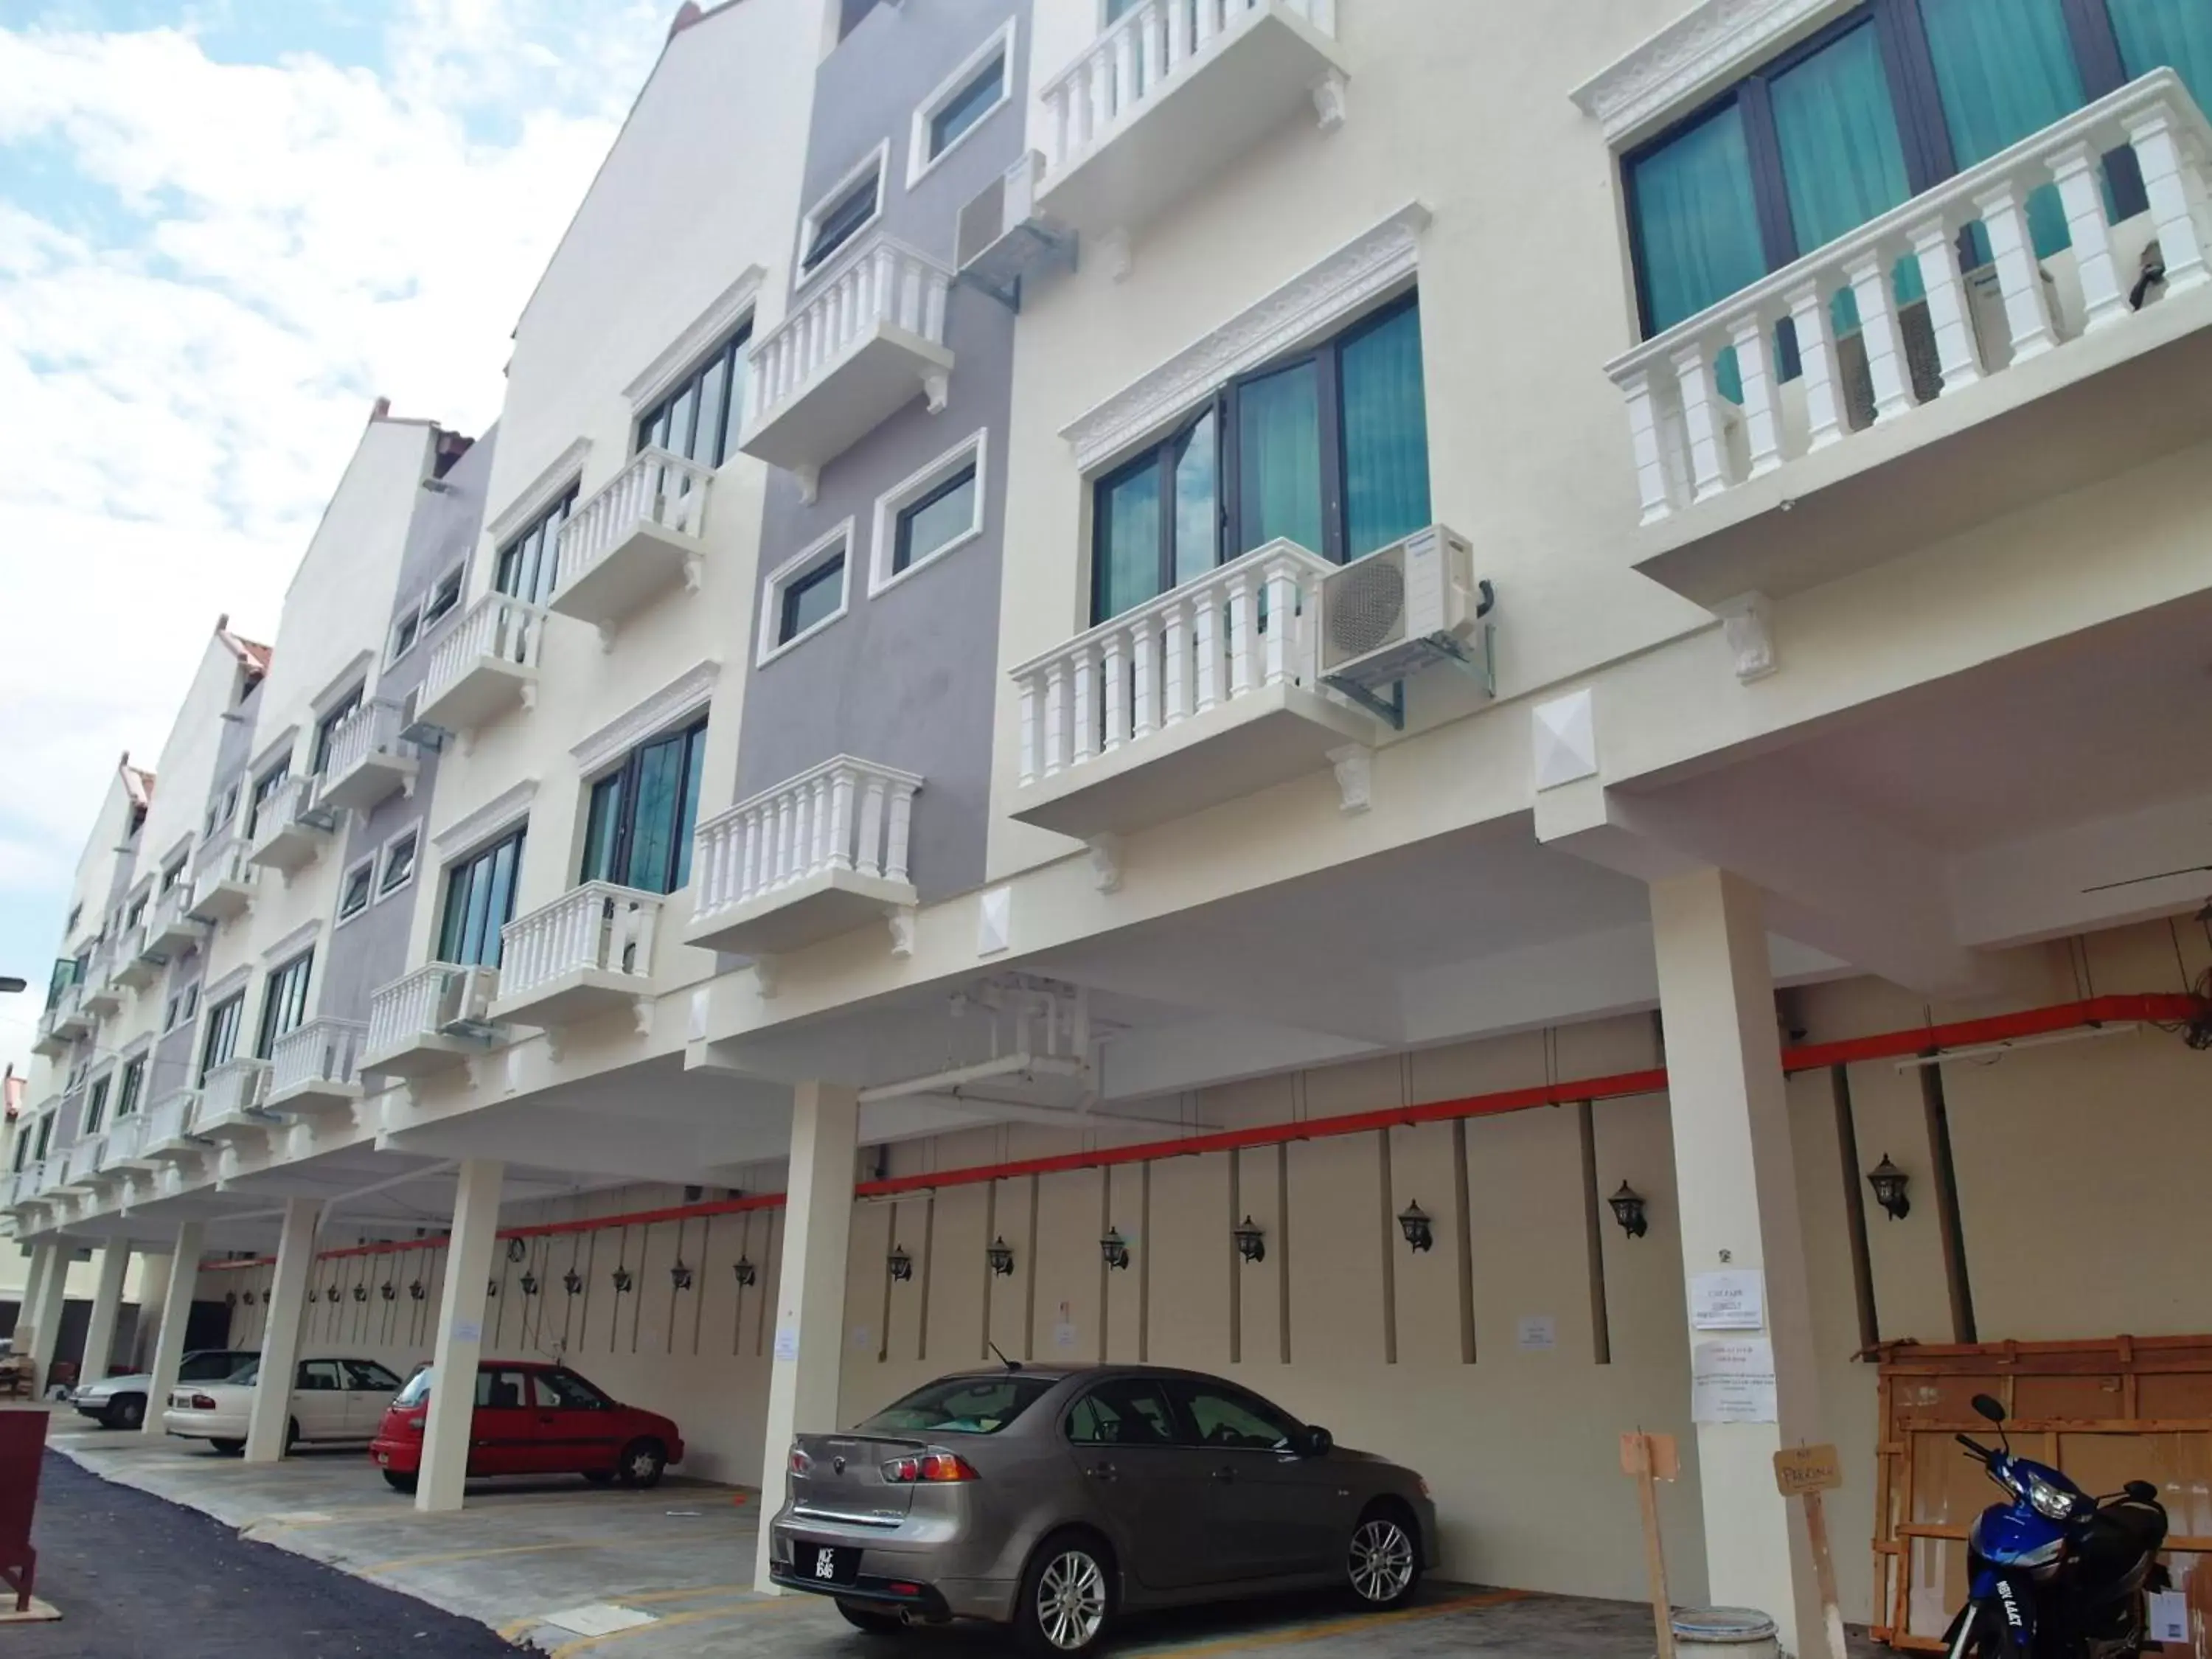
(372, 781)
(649, 560)
(818, 906)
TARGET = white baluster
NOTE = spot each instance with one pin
(1086, 706)
(1957, 352)
(1179, 23)
(894, 837)
(1029, 694)
(1869, 275)
(1055, 128)
(2173, 183)
(1816, 357)
(1644, 441)
(1116, 673)
(1282, 607)
(1055, 719)
(818, 806)
(1709, 456)
(1152, 48)
(1761, 424)
(2020, 279)
(1205, 24)
(1124, 71)
(1240, 633)
(1175, 677)
(1101, 76)
(1205, 645)
(1145, 681)
(871, 826)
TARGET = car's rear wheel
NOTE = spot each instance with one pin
(641, 1464)
(867, 1619)
(397, 1481)
(228, 1448)
(127, 1412)
(1384, 1561)
(1068, 1596)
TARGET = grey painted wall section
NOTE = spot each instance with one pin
(904, 678)
(371, 949)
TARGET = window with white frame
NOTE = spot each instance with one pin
(129, 1096)
(353, 891)
(404, 632)
(805, 593)
(327, 726)
(962, 102)
(284, 1002)
(396, 868)
(443, 597)
(928, 515)
(845, 208)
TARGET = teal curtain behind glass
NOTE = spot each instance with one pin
(1386, 434)
(2175, 33)
(653, 822)
(1696, 223)
(1197, 503)
(1129, 542)
(1279, 458)
(1841, 157)
(2005, 69)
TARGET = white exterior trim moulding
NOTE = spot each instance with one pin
(496, 813)
(1707, 44)
(564, 469)
(680, 697)
(687, 347)
(291, 944)
(1303, 308)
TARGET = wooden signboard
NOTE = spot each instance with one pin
(1804, 1473)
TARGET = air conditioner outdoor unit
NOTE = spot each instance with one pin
(465, 1008)
(1402, 607)
(1000, 239)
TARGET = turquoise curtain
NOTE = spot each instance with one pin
(2175, 33)
(1128, 542)
(687, 820)
(1841, 158)
(1386, 434)
(2003, 70)
(1279, 458)
(600, 822)
(1197, 510)
(1696, 226)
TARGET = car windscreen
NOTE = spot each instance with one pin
(565, 1390)
(416, 1391)
(961, 1405)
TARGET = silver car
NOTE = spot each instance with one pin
(1054, 1498)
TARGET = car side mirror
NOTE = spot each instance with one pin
(1317, 1443)
(1988, 1408)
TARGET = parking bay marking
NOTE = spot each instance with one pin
(696, 1616)
(1347, 1626)
(472, 1555)
(515, 1627)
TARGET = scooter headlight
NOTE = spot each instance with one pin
(2052, 1502)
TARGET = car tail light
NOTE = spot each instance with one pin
(201, 1403)
(931, 1468)
(800, 1462)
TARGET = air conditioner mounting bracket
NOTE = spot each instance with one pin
(1391, 714)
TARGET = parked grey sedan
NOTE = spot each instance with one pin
(1052, 1498)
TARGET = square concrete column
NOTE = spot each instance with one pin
(810, 1308)
(1735, 1184)
(271, 1412)
(176, 1314)
(35, 1288)
(53, 1296)
(107, 1305)
(461, 1336)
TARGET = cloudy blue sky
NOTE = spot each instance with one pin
(225, 228)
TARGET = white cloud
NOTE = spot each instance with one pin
(213, 270)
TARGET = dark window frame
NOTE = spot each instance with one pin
(285, 1001)
(830, 229)
(219, 1044)
(388, 856)
(406, 630)
(622, 783)
(460, 876)
(95, 1105)
(445, 598)
(965, 473)
(265, 789)
(365, 871)
(995, 69)
(131, 1094)
(790, 589)
(531, 555)
(327, 723)
(730, 357)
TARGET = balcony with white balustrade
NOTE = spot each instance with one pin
(222, 886)
(103, 1171)
(134, 969)
(170, 929)
(482, 665)
(864, 337)
(819, 854)
(586, 953)
(633, 540)
(1175, 90)
(429, 1021)
(1993, 388)
(127, 1143)
(20, 1191)
(102, 995)
(230, 1103)
(79, 1165)
(1201, 694)
(315, 1070)
(169, 1137)
(367, 761)
(289, 829)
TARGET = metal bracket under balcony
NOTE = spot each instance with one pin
(587, 953)
(820, 855)
(434, 1019)
(633, 540)
(1174, 91)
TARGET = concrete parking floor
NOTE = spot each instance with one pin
(536, 1559)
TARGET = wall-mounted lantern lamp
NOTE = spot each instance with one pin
(1889, 1182)
(330, 1293)
(417, 1291)
(1628, 1211)
(680, 1276)
(230, 1299)
(388, 1291)
(901, 1264)
(1251, 1242)
(1000, 1255)
(516, 1250)
(745, 1270)
(360, 1292)
(1114, 1249)
(572, 1281)
(623, 1279)
(1414, 1222)
(248, 1298)
(529, 1282)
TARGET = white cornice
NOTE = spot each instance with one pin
(680, 697)
(693, 343)
(494, 814)
(234, 981)
(277, 748)
(1302, 308)
(1708, 43)
(292, 943)
(562, 471)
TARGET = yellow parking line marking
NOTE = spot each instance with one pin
(696, 1616)
(1350, 1625)
(473, 1555)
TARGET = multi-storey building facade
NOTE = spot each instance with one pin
(1178, 613)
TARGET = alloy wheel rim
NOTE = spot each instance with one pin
(1382, 1561)
(1071, 1601)
(641, 1466)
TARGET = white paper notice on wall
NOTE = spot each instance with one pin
(1733, 1300)
(1538, 1331)
(2169, 1616)
(468, 1330)
(1063, 1335)
(1733, 1382)
(786, 1342)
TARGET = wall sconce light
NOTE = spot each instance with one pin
(622, 1280)
(529, 1282)
(1114, 1249)
(330, 1293)
(1888, 1182)
(901, 1264)
(1628, 1211)
(680, 1276)
(516, 1250)
(388, 1291)
(1251, 1242)
(230, 1299)
(247, 1298)
(572, 1281)
(1000, 1255)
(1414, 1222)
(745, 1270)
(360, 1292)
(416, 1291)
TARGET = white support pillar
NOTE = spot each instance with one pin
(53, 1296)
(35, 1294)
(176, 1314)
(810, 1308)
(1736, 1194)
(153, 1287)
(107, 1306)
(460, 1337)
(271, 1411)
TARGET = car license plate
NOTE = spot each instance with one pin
(181, 1401)
(827, 1564)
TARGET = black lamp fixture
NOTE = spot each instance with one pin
(1889, 1182)
(388, 1290)
(901, 1264)
(1414, 1222)
(360, 1292)
(680, 1276)
(1114, 1249)
(248, 1298)
(529, 1283)
(623, 1279)
(1251, 1242)
(516, 1250)
(747, 1273)
(416, 1291)
(230, 1299)
(1000, 1255)
(572, 1281)
(330, 1293)
(1628, 1211)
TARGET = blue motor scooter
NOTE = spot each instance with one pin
(2055, 1573)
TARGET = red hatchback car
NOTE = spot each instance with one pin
(533, 1419)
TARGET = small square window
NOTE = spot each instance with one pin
(939, 508)
(353, 894)
(404, 633)
(398, 864)
(192, 1002)
(170, 1017)
(811, 601)
(852, 203)
(961, 102)
(443, 597)
(805, 593)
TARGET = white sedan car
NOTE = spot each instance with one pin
(332, 1400)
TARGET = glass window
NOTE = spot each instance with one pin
(698, 417)
(220, 1045)
(974, 101)
(2173, 33)
(811, 598)
(353, 896)
(566, 1391)
(946, 513)
(327, 726)
(137, 914)
(2005, 69)
(528, 565)
(833, 227)
(1694, 219)
(321, 1376)
(1279, 458)
(1843, 161)
(443, 597)
(96, 1110)
(1223, 1415)
(961, 1405)
(416, 1391)
(404, 633)
(191, 1005)
(637, 829)
(1386, 434)
(284, 1002)
(501, 1390)
(398, 864)
(366, 1376)
(1128, 1411)
(1128, 539)
(265, 788)
(134, 1085)
(46, 1135)
(479, 901)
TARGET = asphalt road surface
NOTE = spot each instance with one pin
(137, 1578)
